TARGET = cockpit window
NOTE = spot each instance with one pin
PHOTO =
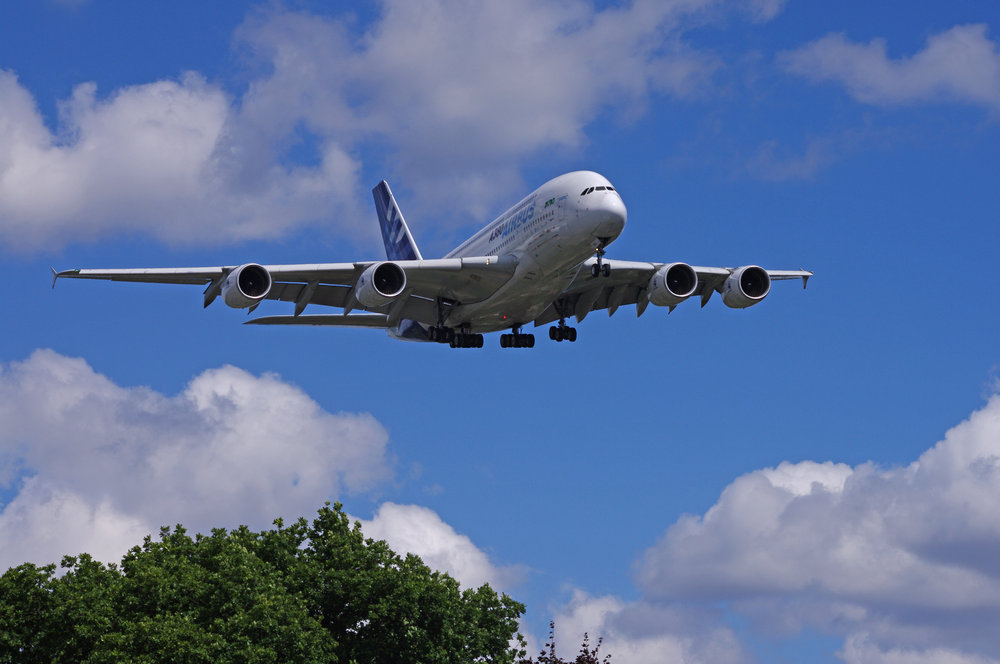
(592, 189)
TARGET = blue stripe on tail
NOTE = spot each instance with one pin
(399, 244)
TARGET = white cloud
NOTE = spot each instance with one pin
(106, 464)
(420, 531)
(906, 556)
(859, 650)
(148, 159)
(646, 633)
(97, 466)
(901, 562)
(460, 93)
(959, 65)
(44, 522)
(454, 96)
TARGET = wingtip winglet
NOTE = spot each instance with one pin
(55, 275)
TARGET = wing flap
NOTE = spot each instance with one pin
(337, 320)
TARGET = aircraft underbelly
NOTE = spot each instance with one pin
(539, 279)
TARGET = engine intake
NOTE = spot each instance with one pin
(379, 284)
(246, 286)
(672, 284)
(746, 287)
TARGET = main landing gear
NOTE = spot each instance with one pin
(600, 267)
(562, 333)
(462, 338)
(441, 334)
(447, 335)
(517, 340)
(466, 340)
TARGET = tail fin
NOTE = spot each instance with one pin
(399, 244)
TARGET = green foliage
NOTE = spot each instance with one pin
(316, 592)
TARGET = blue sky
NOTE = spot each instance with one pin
(812, 479)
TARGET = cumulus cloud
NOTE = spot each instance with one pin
(900, 562)
(451, 95)
(898, 559)
(153, 159)
(420, 531)
(458, 94)
(102, 465)
(646, 633)
(859, 650)
(958, 65)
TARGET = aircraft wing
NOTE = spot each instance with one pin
(469, 279)
(627, 285)
(338, 320)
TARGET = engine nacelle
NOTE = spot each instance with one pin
(246, 286)
(672, 284)
(379, 284)
(746, 287)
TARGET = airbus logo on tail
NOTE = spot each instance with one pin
(398, 244)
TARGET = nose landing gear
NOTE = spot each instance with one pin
(600, 267)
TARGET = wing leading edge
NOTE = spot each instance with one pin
(627, 284)
(469, 279)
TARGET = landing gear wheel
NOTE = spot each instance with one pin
(562, 333)
(517, 340)
(595, 270)
(606, 270)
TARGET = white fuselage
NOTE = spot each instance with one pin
(550, 233)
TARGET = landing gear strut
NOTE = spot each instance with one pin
(562, 332)
(517, 340)
(441, 334)
(461, 339)
(600, 267)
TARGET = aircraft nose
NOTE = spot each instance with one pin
(609, 216)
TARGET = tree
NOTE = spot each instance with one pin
(316, 592)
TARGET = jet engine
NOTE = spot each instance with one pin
(746, 287)
(379, 284)
(246, 286)
(672, 284)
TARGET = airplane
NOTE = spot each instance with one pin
(540, 262)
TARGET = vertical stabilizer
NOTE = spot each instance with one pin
(399, 244)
